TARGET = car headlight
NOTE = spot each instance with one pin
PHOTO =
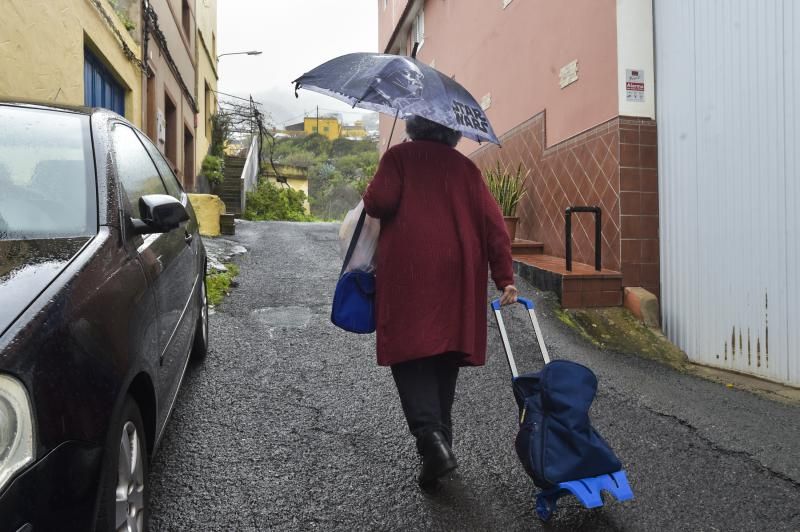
(16, 428)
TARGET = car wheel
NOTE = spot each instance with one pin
(125, 489)
(200, 345)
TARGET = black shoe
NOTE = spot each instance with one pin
(437, 459)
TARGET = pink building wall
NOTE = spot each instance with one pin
(577, 147)
(389, 13)
(515, 55)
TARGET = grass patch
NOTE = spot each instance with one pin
(218, 283)
(566, 318)
(616, 329)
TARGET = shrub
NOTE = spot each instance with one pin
(506, 187)
(212, 168)
(301, 158)
(276, 202)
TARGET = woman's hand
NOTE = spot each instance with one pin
(509, 295)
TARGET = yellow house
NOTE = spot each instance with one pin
(49, 50)
(356, 131)
(325, 126)
(206, 90)
(295, 176)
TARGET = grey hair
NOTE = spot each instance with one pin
(419, 128)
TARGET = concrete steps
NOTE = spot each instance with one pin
(580, 288)
(230, 190)
(526, 247)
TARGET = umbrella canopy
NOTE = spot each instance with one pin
(399, 86)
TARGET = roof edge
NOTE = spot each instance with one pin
(410, 6)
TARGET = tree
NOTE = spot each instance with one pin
(220, 133)
(338, 171)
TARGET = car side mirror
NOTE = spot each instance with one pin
(160, 214)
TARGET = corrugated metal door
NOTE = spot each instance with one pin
(727, 75)
(100, 89)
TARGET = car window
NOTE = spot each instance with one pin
(47, 183)
(135, 169)
(173, 186)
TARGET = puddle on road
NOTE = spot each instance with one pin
(288, 317)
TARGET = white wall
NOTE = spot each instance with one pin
(635, 52)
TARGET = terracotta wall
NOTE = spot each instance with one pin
(639, 203)
(611, 165)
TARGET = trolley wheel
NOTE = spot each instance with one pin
(545, 507)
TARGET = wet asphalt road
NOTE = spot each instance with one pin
(290, 425)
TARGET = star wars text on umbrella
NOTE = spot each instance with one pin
(471, 117)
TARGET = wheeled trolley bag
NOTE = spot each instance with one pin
(556, 442)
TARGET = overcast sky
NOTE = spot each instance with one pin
(294, 36)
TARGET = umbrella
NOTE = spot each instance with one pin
(402, 87)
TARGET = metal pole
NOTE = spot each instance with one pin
(539, 336)
(598, 224)
(568, 237)
(506, 344)
(389, 143)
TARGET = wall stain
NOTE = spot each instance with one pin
(749, 354)
(760, 361)
(741, 344)
(758, 352)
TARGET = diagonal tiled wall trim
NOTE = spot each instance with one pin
(611, 165)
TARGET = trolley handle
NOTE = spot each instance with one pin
(521, 300)
(506, 345)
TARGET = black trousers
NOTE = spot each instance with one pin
(427, 387)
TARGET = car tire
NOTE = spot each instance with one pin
(125, 490)
(200, 344)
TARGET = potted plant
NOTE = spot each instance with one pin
(507, 188)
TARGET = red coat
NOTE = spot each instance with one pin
(440, 229)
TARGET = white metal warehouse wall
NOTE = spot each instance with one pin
(727, 75)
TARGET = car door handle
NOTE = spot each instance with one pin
(188, 238)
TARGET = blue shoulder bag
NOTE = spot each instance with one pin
(354, 299)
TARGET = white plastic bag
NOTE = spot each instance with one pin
(365, 255)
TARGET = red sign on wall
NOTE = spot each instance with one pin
(634, 85)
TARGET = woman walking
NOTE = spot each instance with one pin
(440, 229)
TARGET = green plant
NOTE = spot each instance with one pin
(507, 187)
(301, 158)
(276, 202)
(220, 133)
(129, 24)
(218, 283)
(213, 169)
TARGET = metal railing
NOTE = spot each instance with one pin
(250, 170)
(597, 238)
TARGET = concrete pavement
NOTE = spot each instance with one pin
(290, 425)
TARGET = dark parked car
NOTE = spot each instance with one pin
(102, 302)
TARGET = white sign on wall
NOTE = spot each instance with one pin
(568, 74)
(161, 127)
(634, 85)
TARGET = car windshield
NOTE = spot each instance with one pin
(47, 185)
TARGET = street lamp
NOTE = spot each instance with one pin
(251, 52)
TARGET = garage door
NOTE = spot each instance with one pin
(728, 86)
